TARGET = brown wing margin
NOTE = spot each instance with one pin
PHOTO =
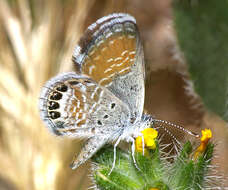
(93, 34)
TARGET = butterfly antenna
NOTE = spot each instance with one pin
(175, 126)
(170, 134)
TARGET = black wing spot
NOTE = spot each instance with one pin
(99, 122)
(73, 82)
(53, 105)
(54, 114)
(62, 88)
(113, 105)
(87, 81)
(56, 96)
(106, 117)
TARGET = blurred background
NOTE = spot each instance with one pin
(37, 38)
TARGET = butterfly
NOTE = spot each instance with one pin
(103, 100)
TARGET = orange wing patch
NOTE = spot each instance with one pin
(111, 57)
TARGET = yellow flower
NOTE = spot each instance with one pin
(149, 136)
(206, 136)
(153, 189)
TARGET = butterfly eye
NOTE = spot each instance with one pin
(62, 88)
(53, 105)
(54, 114)
(56, 96)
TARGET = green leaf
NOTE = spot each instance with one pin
(155, 171)
(183, 169)
(123, 176)
(201, 167)
(202, 32)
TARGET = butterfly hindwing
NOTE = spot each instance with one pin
(76, 106)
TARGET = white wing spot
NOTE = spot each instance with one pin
(76, 115)
(124, 61)
(124, 52)
(112, 75)
(113, 65)
(118, 30)
(111, 42)
(130, 36)
(118, 59)
(91, 110)
(91, 68)
(83, 115)
(91, 52)
(103, 49)
(83, 98)
(110, 60)
(79, 121)
(107, 70)
(78, 104)
(108, 34)
(104, 79)
(130, 29)
(97, 58)
(125, 69)
(100, 42)
(94, 92)
(92, 26)
(132, 53)
(82, 88)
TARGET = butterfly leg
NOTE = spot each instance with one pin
(91, 146)
(114, 158)
(133, 152)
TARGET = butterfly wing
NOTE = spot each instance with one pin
(110, 52)
(76, 106)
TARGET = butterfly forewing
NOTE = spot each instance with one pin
(76, 106)
(113, 57)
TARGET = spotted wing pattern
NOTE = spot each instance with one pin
(110, 53)
(76, 106)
